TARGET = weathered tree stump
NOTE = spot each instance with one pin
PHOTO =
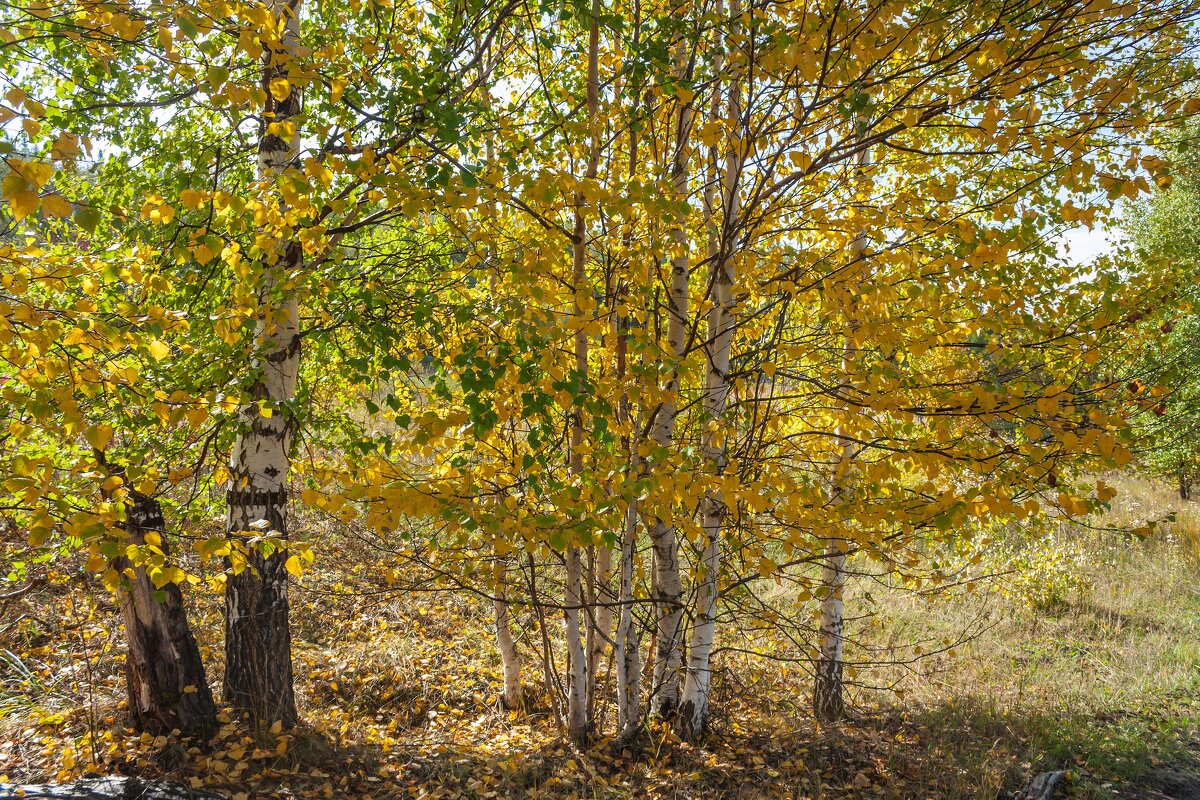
(106, 789)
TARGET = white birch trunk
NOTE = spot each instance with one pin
(258, 672)
(667, 588)
(510, 661)
(626, 652)
(829, 703)
(721, 324)
(579, 722)
(601, 618)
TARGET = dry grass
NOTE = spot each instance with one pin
(1104, 680)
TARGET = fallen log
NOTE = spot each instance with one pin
(106, 789)
(1044, 786)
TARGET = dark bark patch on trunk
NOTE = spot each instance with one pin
(258, 639)
(828, 703)
(164, 675)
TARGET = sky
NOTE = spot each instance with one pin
(1080, 245)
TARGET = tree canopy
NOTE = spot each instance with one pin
(613, 309)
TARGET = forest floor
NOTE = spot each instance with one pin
(1084, 655)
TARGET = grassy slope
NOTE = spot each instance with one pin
(1102, 677)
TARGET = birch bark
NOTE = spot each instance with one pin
(721, 324)
(667, 589)
(579, 722)
(258, 660)
(829, 703)
(505, 642)
(164, 675)
(626, 653)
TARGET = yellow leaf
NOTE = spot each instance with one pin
(55, 205)
(37, 173)
(280, 89)
(97, 563)
(213, 546)
(24, 203)
(66, 146)
(38, 534)
(12, 184)
(98, 436)
(203, 254)
(159, 349)
(293, 566)
(191, 198)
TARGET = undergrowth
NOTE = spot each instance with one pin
(1087, 661)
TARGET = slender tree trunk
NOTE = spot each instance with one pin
(599, 628)
(626, 652)
(164, 675)
(668, 591)
(258, 657)
(669, 610)
(828, 701)
(549, 675)
(625, 647)
(509, 659)
(579, 722)
(721, 323)
(1185, 487)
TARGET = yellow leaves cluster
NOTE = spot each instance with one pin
(22, 184)
(157, 210)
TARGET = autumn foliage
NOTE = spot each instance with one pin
(608, 316)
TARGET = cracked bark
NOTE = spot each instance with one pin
(164, 674)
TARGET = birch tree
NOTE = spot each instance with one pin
(258, 656)
(579, 659)
(721, 232)
(165, 679)
(510, 660)
(668, 590)
(828, 701)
